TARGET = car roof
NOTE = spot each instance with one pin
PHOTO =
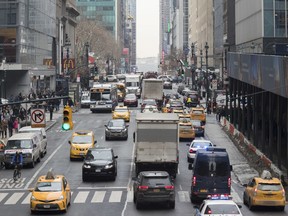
(267, 181)
(22, 136)
(201, 140)
(82, 132)
(57, 178)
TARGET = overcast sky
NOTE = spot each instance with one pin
(147, 29)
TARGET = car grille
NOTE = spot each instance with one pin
(82, 149)
(115, 131)
(47, 201)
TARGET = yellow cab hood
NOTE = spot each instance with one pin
(75, 145)
(49, 196)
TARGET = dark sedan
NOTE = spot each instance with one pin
(116, 129)
(167, 84)
(130, 100)
(99, 162)
(199, 127)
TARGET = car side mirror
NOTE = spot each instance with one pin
(44, 137)
(231, 168)
(188, 144)
(214, 145)
(190, 166)
(239, 206)
(69, 142)
(116, 156)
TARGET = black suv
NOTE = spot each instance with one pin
(153, 186)
(116, 129)
(99, 162)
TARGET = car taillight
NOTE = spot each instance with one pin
(229, 182)
(194, 181)
(255, 191)
(169, 187)
(143, 187)
(191, 151)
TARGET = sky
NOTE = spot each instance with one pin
(147, 28)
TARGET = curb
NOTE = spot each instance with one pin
(51, 125)
(241, 139)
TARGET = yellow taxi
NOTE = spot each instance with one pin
(184, 117)
(80, 142)
(121, 91)
(198, 113)
(264, 191)
(186, 130)
(121, 112)
(51, 193)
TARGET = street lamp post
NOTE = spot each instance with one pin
(67, 45)
(193, 64)
(207, 78)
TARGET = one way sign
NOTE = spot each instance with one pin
(38, 118)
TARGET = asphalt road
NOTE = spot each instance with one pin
(105, 197)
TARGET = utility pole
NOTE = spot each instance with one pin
(207, 78)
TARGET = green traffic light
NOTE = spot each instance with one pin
(66, 126)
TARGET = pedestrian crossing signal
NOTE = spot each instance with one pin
(67, 123)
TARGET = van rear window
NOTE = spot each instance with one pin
(218, 166)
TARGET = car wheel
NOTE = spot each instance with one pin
(32, 212)
(84, 178)
(193, 198)
(42, 154)
(106, 138)
(113, 178)
(250, 206)
(172, 204)
(126, 138)
(138, 205)
(39, 159)
(65, 209)
(244, 200)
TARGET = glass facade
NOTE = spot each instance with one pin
(275, 18)
(27, 29)
(100, 10)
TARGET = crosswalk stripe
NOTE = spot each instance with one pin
(14, 198)
(2, 196)
(183, 196)
(98, 197)
(130, 196)
(81, 197)
(27, 199)
(115, 196)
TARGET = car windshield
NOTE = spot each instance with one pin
(269, 187)
(19, 144)
(99, 155)
(197, 112)
(48, 186)
(156, 181)
(130, 97)
(100, 96)
(116, 124)
(82, 139)
(221, 209)
(201, 144)
(121, 110)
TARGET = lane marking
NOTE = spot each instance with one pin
(115, 196)
(27, 199)
(130, 195)
(14, 198)
(180, 186)
(2, 196)
(98, 197)
(81, 197)
(96, 188)
(183, 196)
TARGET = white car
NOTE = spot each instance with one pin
(218, 207)
(150, 109)
(111, 78)
(195, 145)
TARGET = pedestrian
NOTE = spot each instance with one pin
(51, 108)
(1, 129)
(15, 125)
(10, 126)
(4, 124)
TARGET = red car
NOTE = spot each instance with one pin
(130, 100)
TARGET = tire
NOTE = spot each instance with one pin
(32, 164)
(126, 138)
(193, 199)
(281, 208)
(84, 178)
(244, 200)
(106, 138)
(42, 154)
(15, 175)
(134, 198)
(138, 205)
(32, 211)
(39, 159)
(172, 204)
(250, 206)
(113, 178)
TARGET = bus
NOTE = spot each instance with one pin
(103, 97)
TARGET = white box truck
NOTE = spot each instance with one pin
(156, 142)
(152, 89)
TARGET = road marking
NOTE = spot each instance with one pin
(235, 196)
(81, 197)
(180, 186)
(130, 195)
(97, 188)
(178, 171)
(115, 196)
(183, 196)
(14, 198)
(2, 196)
(98, 197)
(27, 199)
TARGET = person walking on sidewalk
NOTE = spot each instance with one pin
(10, 126)
(4, 125)
(15, 125)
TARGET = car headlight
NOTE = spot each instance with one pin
(61, 197)
(88, 166)
(73, 148)
(108, 166)
(33, 198)
(124, 130)
(107, 130)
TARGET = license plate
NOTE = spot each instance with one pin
(46, 206)
(81, 153)
(98, 170)
(156, 190)
(203, 191)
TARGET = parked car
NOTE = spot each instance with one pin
(99, 162)
(131, 100)
(153, 187)
(116, 129)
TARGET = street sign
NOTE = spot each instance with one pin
(38, 118)
(214, 84)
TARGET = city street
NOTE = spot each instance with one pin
(105, 197)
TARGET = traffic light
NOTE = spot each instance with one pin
(67, 119)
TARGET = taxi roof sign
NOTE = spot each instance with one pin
(50, 174)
